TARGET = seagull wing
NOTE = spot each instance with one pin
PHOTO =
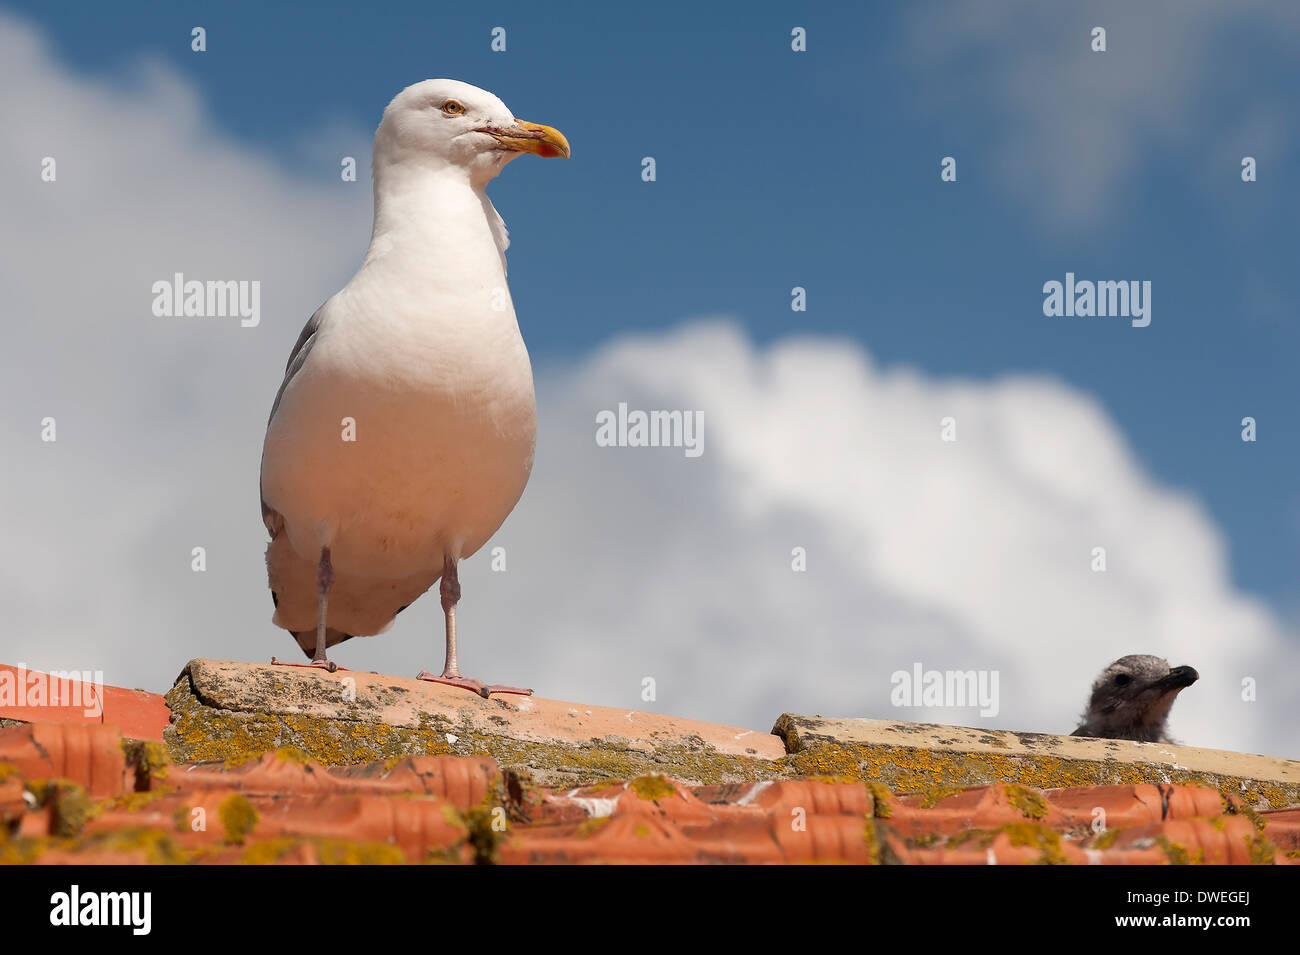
(297, 358)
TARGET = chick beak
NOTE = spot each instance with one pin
(1179, 678)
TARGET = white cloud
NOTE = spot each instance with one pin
(1072, 127)
(622, 563)
(967, 555)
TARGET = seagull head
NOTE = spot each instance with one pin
(1132, 697)
(440, 124)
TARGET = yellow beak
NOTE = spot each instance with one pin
(545, 141)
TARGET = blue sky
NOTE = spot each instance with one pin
(821, 169)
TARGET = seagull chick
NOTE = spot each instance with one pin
(403, 433)
(1132, 697)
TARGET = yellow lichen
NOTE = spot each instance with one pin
(1030, 802)
(906, 769)
(1106, 838)
(1031, 834)
(326, 851)
(130, 802)
(592, 826)
(69, 805)
(1178, 854)
(881, 798)
(1262, 852)
(149, 761)
(652, 788)
(238, 818)
(483, 836)
(292, 754)
(872, 838)
(933, 797)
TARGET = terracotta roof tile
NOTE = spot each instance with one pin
(77, 792)
(88, 754)
(137, 714)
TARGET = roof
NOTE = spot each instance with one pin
(85, 792)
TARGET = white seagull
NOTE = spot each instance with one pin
(403, 433)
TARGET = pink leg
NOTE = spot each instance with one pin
(324, 581)
(450, 592)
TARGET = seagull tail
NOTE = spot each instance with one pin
(307, 639)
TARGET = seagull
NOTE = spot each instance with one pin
(403, 433)
(1132, 697)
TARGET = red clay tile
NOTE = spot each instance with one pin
(30, 695)
(655, 820)
(139, 715)
(1222, 841)
(1282, 826)
(88, 754)
(980, 807)
(463, 780)
(1133, 805)
(12, 802)
(299, 812)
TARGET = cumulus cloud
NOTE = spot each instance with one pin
(974, 554)
(621, 563)
(1073, 127)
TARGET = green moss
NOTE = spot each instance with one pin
(881, 799)
(652, 788)
(1239, 807)
(938, 794)
(1031, 803)
(359, 853)
(1038, 836)
(328, 851)
(238, 818)
(70, 807)
(906, 769)
(1178, 854)
(158, 847)
(154, 847)
(130, 802)
(292, 754)
(1032, 834)
(872, 839)
(592, 826)
(203, 733)
(149, 760)
(269, 851)
(21, 851)
(1106, 838)
(1262, 851)
(485, 840)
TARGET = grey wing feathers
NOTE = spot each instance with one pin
(297, 357)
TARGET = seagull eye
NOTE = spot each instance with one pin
(1123, 679)
(452, 108)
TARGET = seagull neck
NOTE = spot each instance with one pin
(429, 212)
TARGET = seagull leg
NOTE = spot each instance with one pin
(450, 592)
(324, 581)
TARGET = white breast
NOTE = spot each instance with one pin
(408, 434)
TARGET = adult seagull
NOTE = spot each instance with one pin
(403, 432)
